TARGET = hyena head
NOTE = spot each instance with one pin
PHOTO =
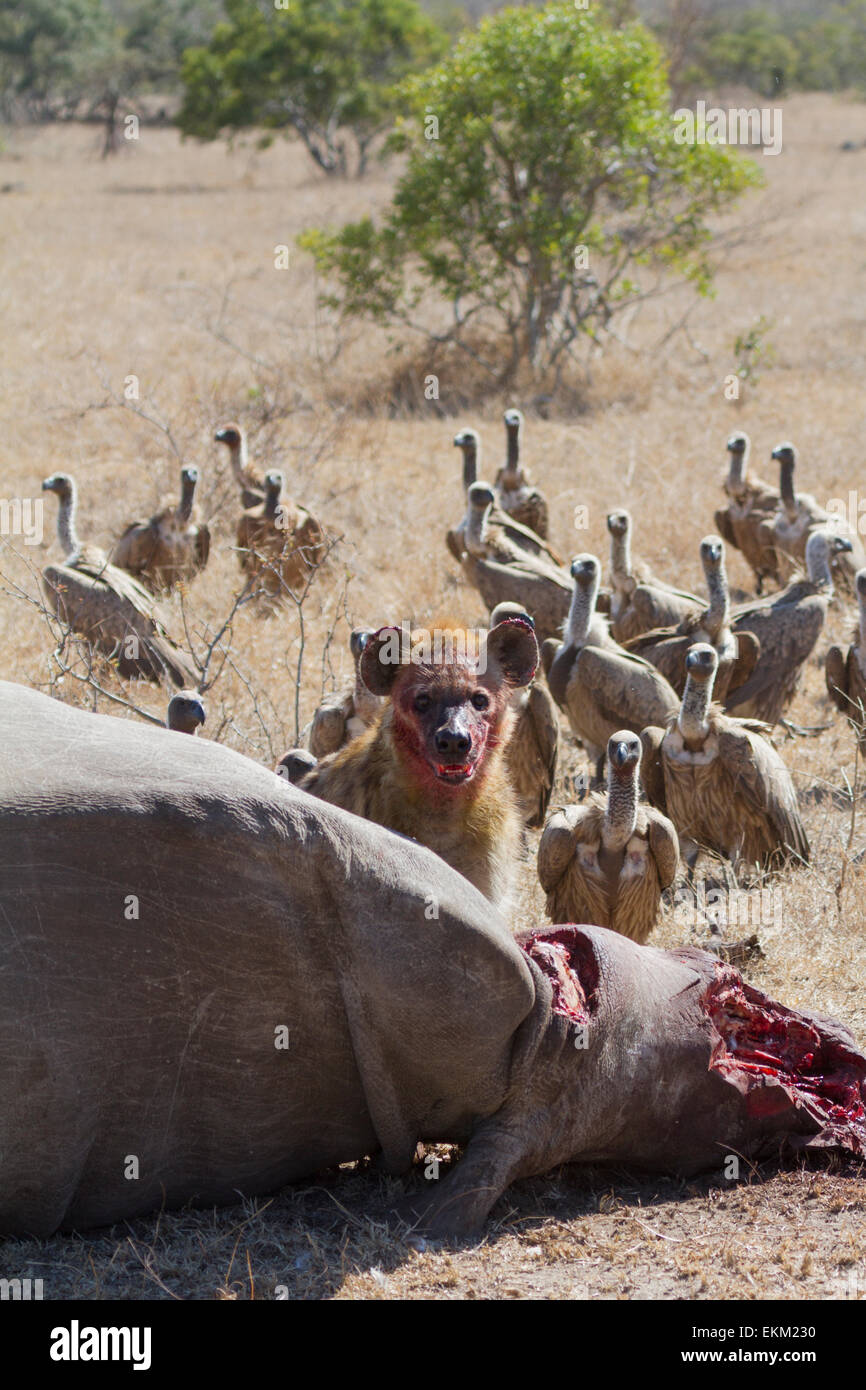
(449, 691)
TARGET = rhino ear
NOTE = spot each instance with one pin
(513, 645)
(380, 663)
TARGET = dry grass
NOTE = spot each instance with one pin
(161, 264)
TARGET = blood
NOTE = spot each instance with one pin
(567, 959)
(760, 1043)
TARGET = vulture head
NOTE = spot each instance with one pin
(619, 522)
(512, 610)
(701, 663)
(61, 485)
(186, 712)
(231, 435)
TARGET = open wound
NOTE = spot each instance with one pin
(778, 1059)
(567, 959)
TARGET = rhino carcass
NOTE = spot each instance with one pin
(213, 984)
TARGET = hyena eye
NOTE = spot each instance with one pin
(421, 702)
(480, 700)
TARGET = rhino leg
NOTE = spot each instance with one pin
(495, 1156)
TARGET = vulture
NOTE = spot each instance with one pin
(295, 765)
(722, 783)
(845, 672)
(608, 860)
(251, 484)
(341, 718)
(533, 747)
(639, 602)
(515, 492)
(170, 548)
(501, 572)
(106, 605)
(185, 712)
(470, 444)
(601, 687)
(666, 647)
(787, 626)
(797, 516)
(279, 542)
(751, 502)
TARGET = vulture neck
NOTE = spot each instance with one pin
(475, 528)
(692, 718)
(786, 491)
(736, 471)
(470, 465)
(719, 610)
(238, 457)
(818, 566)
(580, 614)
(620, 816)
(272, 501)
(187, 493)
(66, 532)
(620, 556)
(512, 460)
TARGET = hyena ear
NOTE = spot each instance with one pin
(380, 660)
(512, 644)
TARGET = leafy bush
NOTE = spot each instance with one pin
(768, 51)
(325, 69)
(542, 174)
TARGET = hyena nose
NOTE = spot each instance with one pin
(451, 743)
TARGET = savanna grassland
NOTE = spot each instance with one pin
(159, 264)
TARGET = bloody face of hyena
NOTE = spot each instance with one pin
(447, 719)
(449, 715)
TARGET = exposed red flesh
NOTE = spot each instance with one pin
(777, 1057)
(568, 961)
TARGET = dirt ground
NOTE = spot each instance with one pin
(159, 265)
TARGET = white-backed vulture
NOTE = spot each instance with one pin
(515, 492)
(186, 712)
(340, 718)
(250, 482)
(787, 626)
(796, 517)
(601, 687)
(751, 502)
(279, 543)
(608, 860)
(106, 605)
(469, 442)
(295, 765)
(845, 671)
(533, 747)
(170, 548)
(502, 573)
(640, 602)
(722, 783)
(666, 647)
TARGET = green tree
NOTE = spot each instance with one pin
(542, 174)
(43, 44)
(60, 58)
(325, 69)
(753, 50)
